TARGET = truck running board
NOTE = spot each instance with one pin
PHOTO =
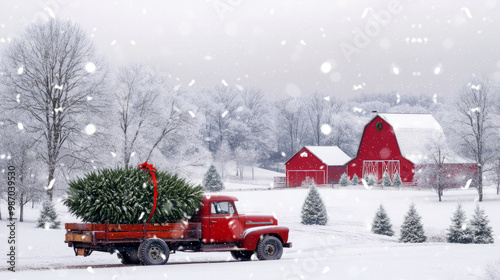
(222, 247)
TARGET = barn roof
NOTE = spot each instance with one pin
(330, 155)
(415, 132)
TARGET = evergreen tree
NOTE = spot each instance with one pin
(381, 223)
(344, 180)
(48, 217)
(412, 230)
(459, 232)
(386, 179)
(481, 231)
(125, 196)
(396, 180)
(370, 179)
(212, 181)
(313, 210)
(355, 180)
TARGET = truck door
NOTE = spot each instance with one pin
(224, 222)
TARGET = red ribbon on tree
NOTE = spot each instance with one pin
(145, 166)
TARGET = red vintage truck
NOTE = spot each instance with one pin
(216, 227)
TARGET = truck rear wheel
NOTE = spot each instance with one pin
(242, 255)
(129, 256)
(269, 248)
(153, 252)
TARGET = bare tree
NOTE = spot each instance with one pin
(19, 150)
(290, 119)
(149, 112)
(137, 97)
(50, 73)
(319, 110)
(475, 104)
(434, 173)
(496, 174)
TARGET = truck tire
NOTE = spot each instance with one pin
(269, 248)
(129, 256)
(153, 252)
(242, 255)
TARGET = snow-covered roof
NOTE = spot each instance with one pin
(330, 155)
(415, 132)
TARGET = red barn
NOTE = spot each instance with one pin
(400, 143)
(323, 164)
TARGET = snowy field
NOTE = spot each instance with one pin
(343, 249)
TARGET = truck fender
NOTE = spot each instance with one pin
(251, 236)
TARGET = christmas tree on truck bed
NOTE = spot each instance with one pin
(127, 196)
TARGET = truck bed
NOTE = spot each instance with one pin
(126, 233)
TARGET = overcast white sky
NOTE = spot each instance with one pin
(288, 48)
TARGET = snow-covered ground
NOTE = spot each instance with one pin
(343, 249)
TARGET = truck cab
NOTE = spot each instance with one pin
(223, 227)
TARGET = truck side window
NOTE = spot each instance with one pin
(222, 208)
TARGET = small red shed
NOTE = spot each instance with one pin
(323, 164)
(399, 143)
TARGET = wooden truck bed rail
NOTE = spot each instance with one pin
(116, 233)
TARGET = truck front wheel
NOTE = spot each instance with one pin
(269, 248)
(242, 255)
(153, 252)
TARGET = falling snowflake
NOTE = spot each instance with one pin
(293, 90)
(326, 67)
(224, 114)
(20, 70)
(395, 70)
(51, 185)
(224, 83)
(466, 11)
(191, 83)
(90, 67)
(20, 126)
(90, 129)
(437, 70)
(326, 129)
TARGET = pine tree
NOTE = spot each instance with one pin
(381, 223)
(125, 196)
(212, 181)
(313, 210)
(355, 180)
(48, 217)
(370, 179)
(459, 232)
(481, 231)
(386, 179)
(412, 230)
(396, 180)
(344, 180)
